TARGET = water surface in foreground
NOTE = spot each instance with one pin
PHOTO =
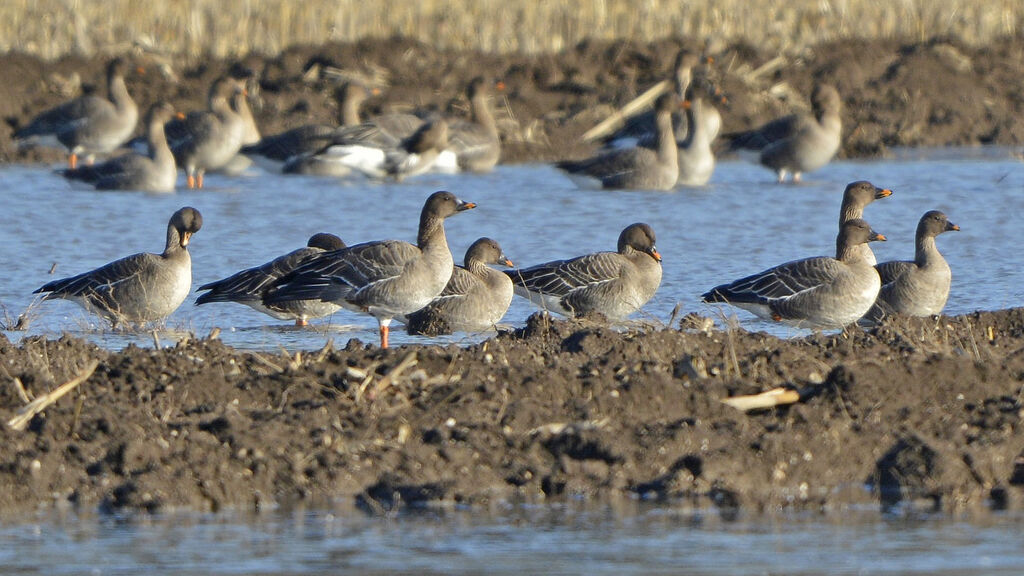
(639, 539)
(740, 224)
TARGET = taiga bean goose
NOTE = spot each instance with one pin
(856, 197)
(90, 125)
(818, 293)
(475, 298)
(797, 143)
(919, 287)
(250, 286)
(385, 278)
(139, 288)
(614, 284)
(636, 168)
(153, 173)
(696, 159)
(475, 142)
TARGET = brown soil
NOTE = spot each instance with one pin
(924, 412)
(930, 94)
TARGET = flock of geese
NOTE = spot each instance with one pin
(418, 284)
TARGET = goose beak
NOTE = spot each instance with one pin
(508, 263)
(185, 237)
(953, 227)
(655, 254)
(875, 236)
(466, 206)
(882, 193)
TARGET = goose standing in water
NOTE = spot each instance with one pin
(155, 172)
(208, 139)
(919, 287)
(614, 284)
(386, 278)
(696, 158)
(817, 293)
(89, 125)
(637, 168)
(140, 288)
(250, 286)
(797, 143)
(475, 142)
(475, 298)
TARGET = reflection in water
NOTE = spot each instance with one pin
(627, 538)
(741, 223)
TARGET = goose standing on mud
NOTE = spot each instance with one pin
(208, 139)
(797, 143)
(386, 278)
(919, 287)
(614, 284)
(817, 293)
(250, 286)
(140, 288)
(637, 168)
(155, 172)
(89, 125)
(475, 298)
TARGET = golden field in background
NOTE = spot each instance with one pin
(224, 28)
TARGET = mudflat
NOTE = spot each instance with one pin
(919, 412)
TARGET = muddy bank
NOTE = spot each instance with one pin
(926, 412)
(937, 93)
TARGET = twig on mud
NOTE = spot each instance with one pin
(268, 363)
(770, 399)
(613, 121)
(156, 340)
(28, 412)
(409, 361)
(557, 428)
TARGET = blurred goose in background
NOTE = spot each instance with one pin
(817, 293)
(475, 142)
(208, 139)
(239, 163)
(291, 150)
(251, 286)
(140, 288)
(614, 284)
(89, 125)
(642, 128)
(413, 155)
(385, 278)
(637, 168)
(475, 298)
(856, 197)
(919, 287)
(696, 158)
(155, 172)
(797, 143)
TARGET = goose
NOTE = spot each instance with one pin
(614, 284)
(89, 125)
(208, 139)
(384, 278)
(250, 286)
(919, 287)
(856, 197)
(291, 150)
(475, 142)
(413, 155)
(140, 288)
(696, 158)
(797, 143)
(475, 298)
(817, 293)
(155, 172)
(637, 168)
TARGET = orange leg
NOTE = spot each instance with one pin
(384, 336)
(191, 182)
(199, 180)
(301, 322)
(73, 161)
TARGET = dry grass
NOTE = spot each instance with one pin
(52, 28)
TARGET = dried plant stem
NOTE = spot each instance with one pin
(25, 415)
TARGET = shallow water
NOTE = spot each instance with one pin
(741, 223)
(630, 539)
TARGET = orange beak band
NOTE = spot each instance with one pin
(655, 254)
(879, 237)
(185, 236)
(884, 193)
(509, 263)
